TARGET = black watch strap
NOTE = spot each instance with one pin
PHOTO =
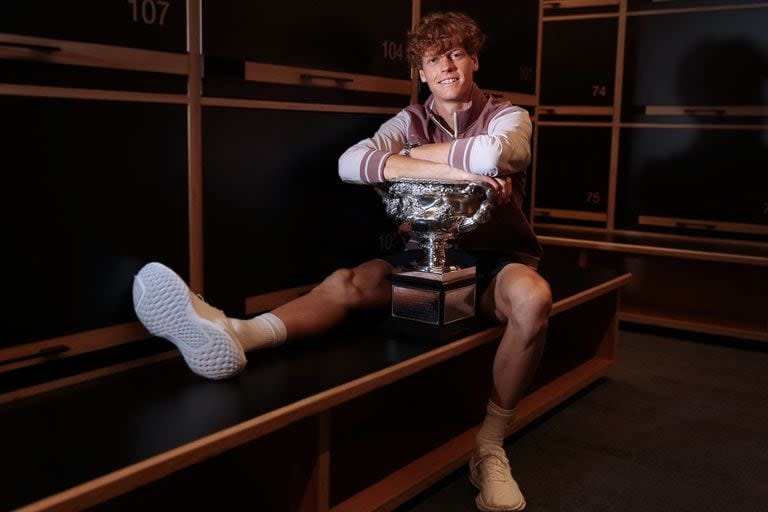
(408, 146)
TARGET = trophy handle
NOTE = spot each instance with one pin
(484, 212)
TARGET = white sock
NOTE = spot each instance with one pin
(494, 425)
(262, 331)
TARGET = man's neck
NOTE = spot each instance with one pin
(446, 110)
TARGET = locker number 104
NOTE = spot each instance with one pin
(392, 50)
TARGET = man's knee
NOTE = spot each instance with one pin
(525, 297)
(340, 286)
(537, 299)
(353, 287)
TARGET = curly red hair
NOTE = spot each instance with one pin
(441, 31)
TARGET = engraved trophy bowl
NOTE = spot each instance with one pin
(438, 211)
(436, 292)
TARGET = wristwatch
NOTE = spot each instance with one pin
(408, 146)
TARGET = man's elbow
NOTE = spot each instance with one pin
(346, 166)
(488, 159)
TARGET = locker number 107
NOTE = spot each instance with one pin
(149, 12)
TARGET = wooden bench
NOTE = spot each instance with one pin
(357, 420)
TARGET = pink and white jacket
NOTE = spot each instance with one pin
(492, 138)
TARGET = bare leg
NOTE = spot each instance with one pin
(214, 345)
(345, 290)
(521, 299)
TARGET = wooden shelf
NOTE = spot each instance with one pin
(747, 329)
(726, 251)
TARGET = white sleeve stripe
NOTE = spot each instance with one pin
(380, 170)
(467, 152)
(364, 165)
(371, 167)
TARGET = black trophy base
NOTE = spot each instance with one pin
(438, 305)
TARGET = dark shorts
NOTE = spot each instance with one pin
(488, 263)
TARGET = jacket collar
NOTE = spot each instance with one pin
(465, 118)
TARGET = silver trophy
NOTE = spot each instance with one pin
(436, 291)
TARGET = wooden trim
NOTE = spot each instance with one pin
(698, 126)
(89, 94)
(606, 348)
(707, 225)
(289, 75)
(76, 344)
(586, 295)
(415, 18)
(598, 124)
(516, 98)
(708, 326)
(194, 149)
(652, 12)
(575, 4)
(269, 301)
(736, 244)
(410, 480)
(285, 105)
(316, 497)
(578, 231)
(569, 17)
(324, 461)
(655, 251)
(84, 376)
(536, 122)
(707, 110)
(570, 214)
(92, 55)
(618, 90)
(585, 110)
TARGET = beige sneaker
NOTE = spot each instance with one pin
(489, 472)
(168, 309)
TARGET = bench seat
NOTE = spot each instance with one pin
(304, 410)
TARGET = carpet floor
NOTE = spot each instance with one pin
(679, 424)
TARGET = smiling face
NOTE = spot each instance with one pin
(449, 75)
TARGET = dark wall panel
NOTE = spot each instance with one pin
(578, 62)
(276, 213)
(700, 58)
(712, 175)
(573, 165)
(339, 35)
(149, 24)
(640, 5)
(91, 191)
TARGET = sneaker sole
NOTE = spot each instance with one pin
(162, 302)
